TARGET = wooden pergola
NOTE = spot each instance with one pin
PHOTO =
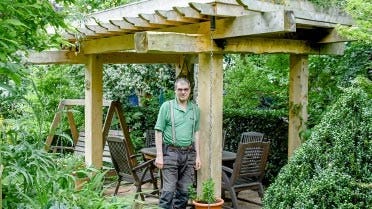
(185, 33)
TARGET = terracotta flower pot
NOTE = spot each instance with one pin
(217, 205)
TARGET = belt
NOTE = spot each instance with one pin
(187, 148)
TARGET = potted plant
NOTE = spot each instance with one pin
(207, 199)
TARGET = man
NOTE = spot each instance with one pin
(177, 146)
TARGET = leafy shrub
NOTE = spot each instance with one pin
(332, 169)
(33, 178)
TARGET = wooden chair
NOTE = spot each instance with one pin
(129, 169)
(247, 172)
(252, 136)
(150, 138)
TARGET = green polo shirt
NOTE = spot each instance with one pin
(184, 121)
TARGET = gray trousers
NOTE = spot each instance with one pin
(178, 174)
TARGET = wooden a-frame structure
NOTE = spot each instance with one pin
(65, 105)
(184, 32)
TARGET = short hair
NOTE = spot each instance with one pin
(181, 80)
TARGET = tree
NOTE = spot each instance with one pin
(361, 11)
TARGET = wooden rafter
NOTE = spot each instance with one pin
(68, 57)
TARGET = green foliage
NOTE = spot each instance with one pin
(361, 11)
(257, 82)
(33, 178)
(23, 25)
(208, 194)
(328, 74)
(332, 169)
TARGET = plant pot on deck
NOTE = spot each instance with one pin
(217, 205)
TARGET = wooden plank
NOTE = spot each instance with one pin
(53, 126)
(124, 25)
(157, 19)
(72, 124)
(81, 102)
(256, 24)
(111, 27)
(136, 58)
(157, 42)
(173, 16)
(108, 122)
(56, 57)
(103, 45)
(298, 100)
(141, 23)
(267, 45)
(220, 9)
(99, 29)
(190, 13)
(302, 9)
(145, 7)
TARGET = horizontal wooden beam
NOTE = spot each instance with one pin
(157, 42)
(110, 44)
(267, 45)
(81, 102)
(56, 57)
(164, 42)
(136, 58)
(68, 57)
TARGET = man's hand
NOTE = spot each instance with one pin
(197, 163)
(159, 162)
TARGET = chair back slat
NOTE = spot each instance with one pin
(250, 161)
(252, 136)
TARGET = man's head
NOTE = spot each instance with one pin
(182, 89)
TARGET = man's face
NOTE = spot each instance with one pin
(182, 91)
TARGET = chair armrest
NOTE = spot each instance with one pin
(143, 165)
(227, 169)
(135, 155)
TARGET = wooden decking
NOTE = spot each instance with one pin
(150, 202)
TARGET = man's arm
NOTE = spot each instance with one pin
(159, 149)
(197, 159)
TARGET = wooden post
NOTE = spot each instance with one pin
(298, 99)
(210, 102)
(93, 112)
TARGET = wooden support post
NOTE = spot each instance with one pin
(210, 102)
(93, 112)
(298, 98)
